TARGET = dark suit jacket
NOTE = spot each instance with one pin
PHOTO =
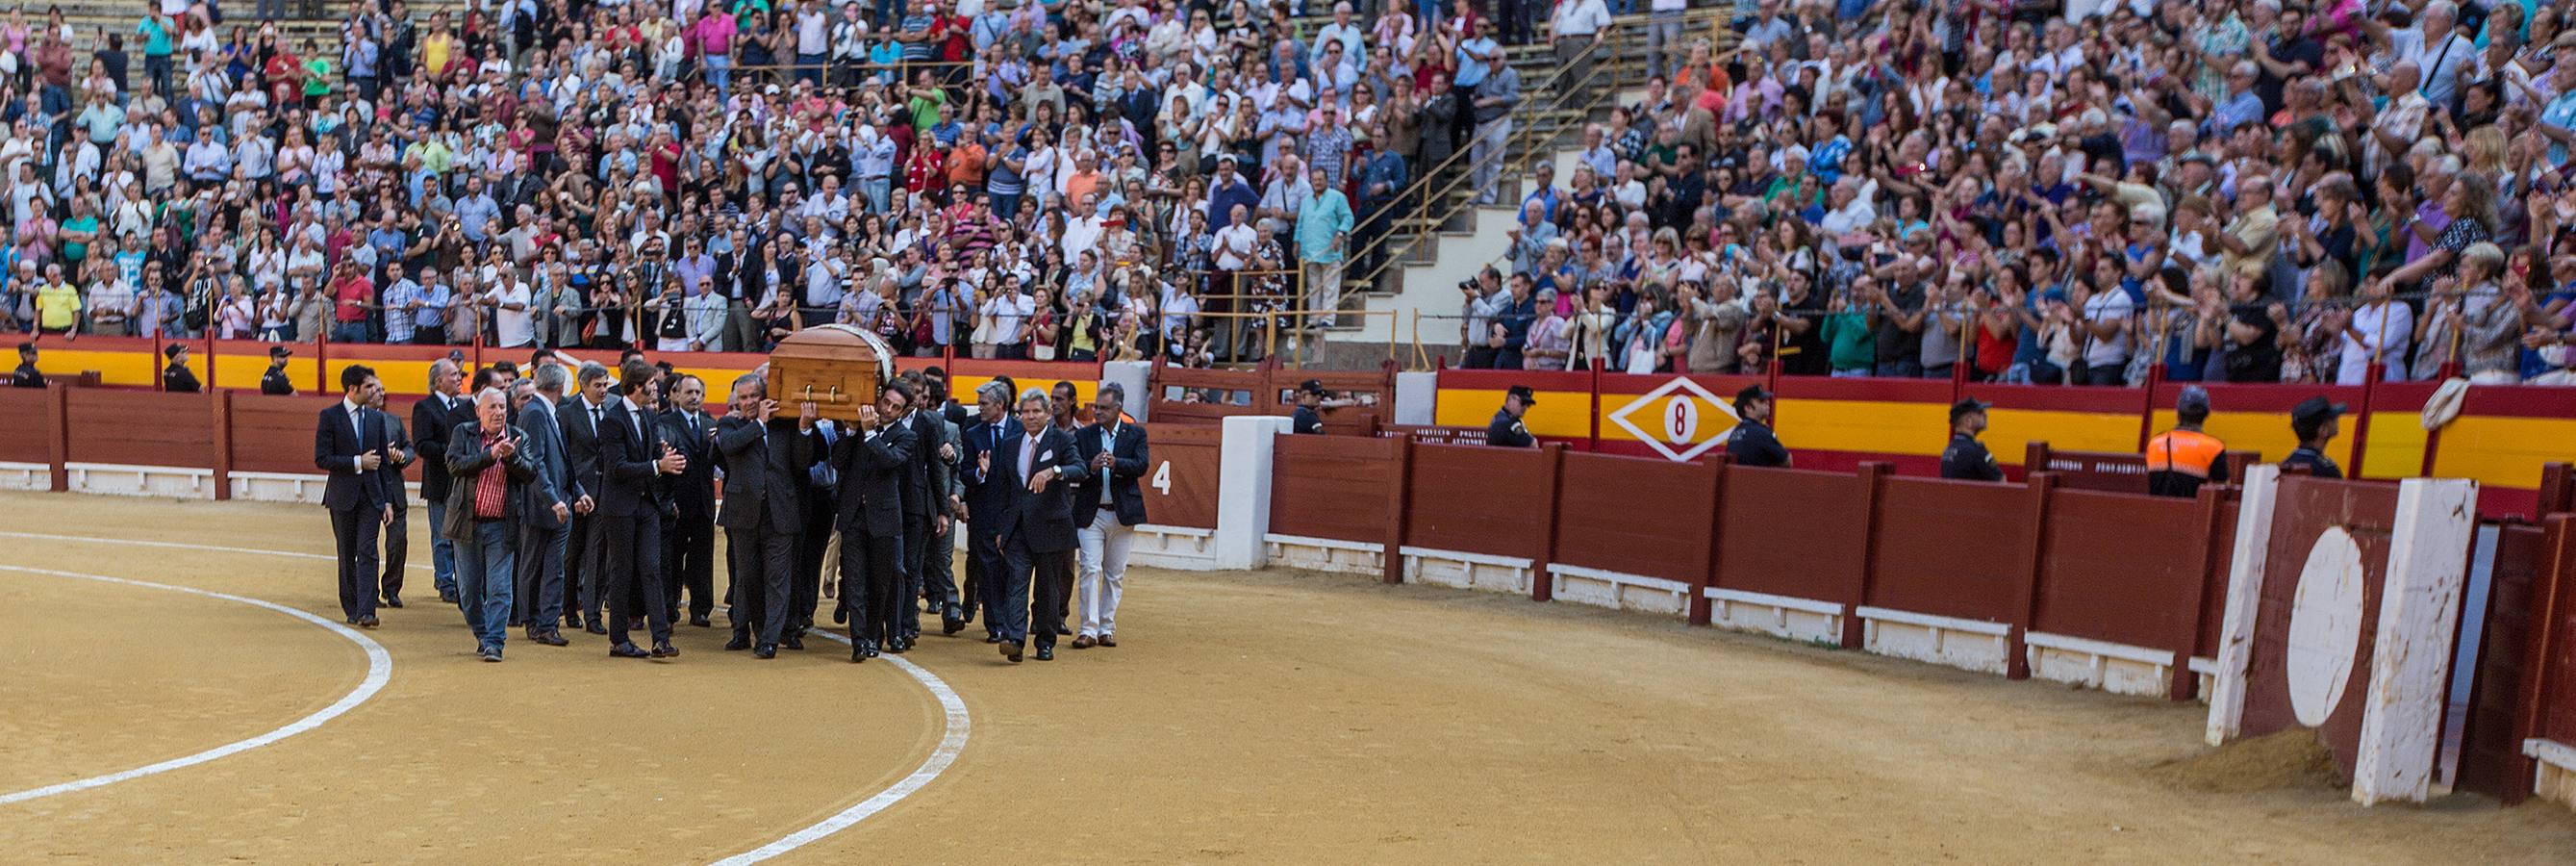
(874, 472)
(1129, 460)
(545, 450)
(764, 475)
(1042, 520)
(336, 446)
(433, 423)
(693, 491)
(926, 484)
(986, 497)
(466, 460)
(398, 454)
(581, 447)
(626, 463)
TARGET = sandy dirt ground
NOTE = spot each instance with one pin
(1256, 718)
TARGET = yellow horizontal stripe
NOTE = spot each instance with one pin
(2009, 432)
(1864, 425)
(2506, 452)
(963, 387)
(246, 371)
(399, 377)
(2395, 447)
(1557, 413)
(114, 367)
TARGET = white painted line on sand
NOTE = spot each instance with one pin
(380, 668)
(950, 744)
(176, 545)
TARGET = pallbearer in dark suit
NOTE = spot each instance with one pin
(1106, 508)
(1036, 528)
(398, 454)
(549, 505)
(431, 418)
(579, 419)
(874, 462)
(764, 461)
(484, 509)
(632, 455)
(349, 444)
(925, 519)
(689, 543)
(987, 498)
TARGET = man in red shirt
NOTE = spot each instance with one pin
(352, 295)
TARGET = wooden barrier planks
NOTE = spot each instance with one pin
(1334, 487)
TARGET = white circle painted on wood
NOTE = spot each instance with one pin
(2325, 626)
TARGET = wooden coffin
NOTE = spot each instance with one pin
(838, 368)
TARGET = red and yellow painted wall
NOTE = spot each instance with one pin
(2501, 437)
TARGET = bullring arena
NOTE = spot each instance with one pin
(1286, 691)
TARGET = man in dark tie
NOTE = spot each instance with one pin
(348, 444)
(764, 461)
(1036, 528)
(925, 518)
(484, 509)
(397, 534)
(548, 509)
(632, 456)
(689, 540)
(1106, 509)
(874, 463)
(579, 419)
(431, 418)
(986, 498)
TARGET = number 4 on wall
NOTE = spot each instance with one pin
(1163, 478)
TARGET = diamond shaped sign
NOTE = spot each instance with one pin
(1677, 408)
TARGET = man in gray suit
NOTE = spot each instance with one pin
(544, 537)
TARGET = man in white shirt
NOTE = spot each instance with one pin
(2437, 50)
(513, 316)
(1578, 28)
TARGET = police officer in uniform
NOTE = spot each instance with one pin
(1966, 459)
(2315, 422)
(1507, 431)
(1751, 442)
(275, 381)
(1310, 398)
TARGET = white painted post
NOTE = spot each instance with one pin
(1243, 490)
(1132, 377)
(2419, 609)
(2244, 595)
(1417, 396)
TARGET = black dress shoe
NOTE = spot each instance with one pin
(700, 621)
(795, 643)
(663, 650)
(990, 637)
(549, 638)
(952, 623)
(858, 653)
(840, 614)
(1061, 631)
(738, 643)
(572, 621)
(1011, 650)
(765, 651)
(967, 613)
(1046, 652)
(368, 621)
(595, 628)
(625, 651)
(896, 646)
(393, 600)
(447, 596)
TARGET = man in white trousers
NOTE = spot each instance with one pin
(1107, 506)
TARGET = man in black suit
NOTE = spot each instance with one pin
(579, 418)
(986, 498)
(349, 444)
(551, 496)
(397, 534)
(875, 463)
(1036, 527)
(925, 518)
(432, 418)
(764, 461)
(1107, 506)
(689, 538)
(632, 456)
